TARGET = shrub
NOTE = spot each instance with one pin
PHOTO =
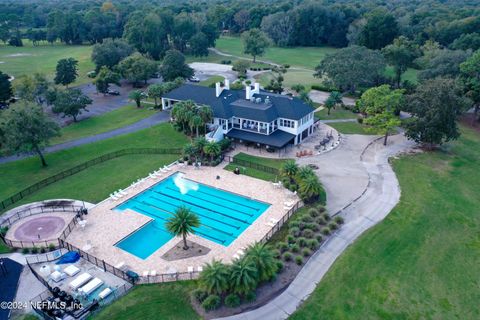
(321, 208)
(306, 252)
(360, 120)
(295, 231)
(295, 248)
(319, 238)
(282, 246)
(307, 233)
(299, 260)
(326, 216)
(3, 231)
(250, 296)
(321, 221)
(326, 231)
(306, 218)
(43, 250)
(248, 82)
(212, 302)
(291, 239)
(276, 253)
(293, 224)
(313, 212)
(312, 226)
(338, 220)
(287, 256)
(333, 226)
(25, 250)
(199, 295)
(226, 61)
(301, 225)
(313, 244)
(279, 266)
(232, 300)
(34, 250)
(302, 242)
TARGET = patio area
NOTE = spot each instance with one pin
(105, 227)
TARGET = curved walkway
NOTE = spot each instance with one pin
(377, 192)
(142, 124)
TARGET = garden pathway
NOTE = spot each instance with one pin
(362, 187)
(151, 121)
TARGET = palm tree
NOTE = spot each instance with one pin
(262, 256)
(336, 97)
(310, 188)
(199, 143)
(214, 277)
(289, 169)
(195, 121)
(206, 113)
(182, 223)
(212, 149)
(189, 151)
(137, 96)
(243, 276)
(304, 172)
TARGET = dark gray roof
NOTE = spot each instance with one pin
(277, 139)
(233, 103)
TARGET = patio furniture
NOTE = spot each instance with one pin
(105, 293)
(240, 252)
(57, 276)
(145, 273)
(87, 246)
(120, 265)
(80, 280)
(236, 256)
(113, 197)
(82, 224)
(190, 269)
(71, 270)
(153, 273)
(199, 268)
(91, 286)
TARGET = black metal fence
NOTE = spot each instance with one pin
(253, 165)
(282, 221)
(42, 208)
(66, 173)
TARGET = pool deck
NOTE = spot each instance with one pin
(106, 227)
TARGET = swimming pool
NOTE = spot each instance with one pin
(223, 215)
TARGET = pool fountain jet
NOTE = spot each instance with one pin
(183, 184)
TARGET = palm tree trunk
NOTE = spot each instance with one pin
(185, 246)
(386, 137)
(196, 129)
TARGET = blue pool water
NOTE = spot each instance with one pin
(223, 215)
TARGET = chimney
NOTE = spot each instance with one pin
(218, 89)
(248, 92)
(227, 84)
(257, 88)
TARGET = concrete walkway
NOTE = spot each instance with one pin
(151, 121)
(362, 188)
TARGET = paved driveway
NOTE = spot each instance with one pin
(322, 96)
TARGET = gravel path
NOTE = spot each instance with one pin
(375, 191)
(151, 121)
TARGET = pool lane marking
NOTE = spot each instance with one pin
(197, 232)
(177, 192)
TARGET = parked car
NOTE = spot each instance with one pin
(92, 74)
(193, 79)
(113, 92)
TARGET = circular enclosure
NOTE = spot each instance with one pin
(39, 228)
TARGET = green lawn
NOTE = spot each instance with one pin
(106, 122)
(43, 58)
(251, 172)
(211, 81)
(350, 128)
(212, 58)
(168, 301)
(20, 174)
(422, 261)
(292, 77)
(337, 113)
(304, 57)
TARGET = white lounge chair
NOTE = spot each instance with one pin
(122, 192)
(236, 256)
(199, 268)
(120, 265)
(57, 276)
(80, 280)
(152, 176)
(190, 269)
(153, 273)
(167, 168)
(145, 273)
(91, 286)
(113, 197)
(105, 293)
(240, 252)
(71, 270)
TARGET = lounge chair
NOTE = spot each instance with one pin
(105, 293)
(145, 273)
(120, 265)
(199, 268)
(152, 176)
(91, 286)
(167, 168)
(71, 270)
(113, 197)
(80, 280)
(153, 273)
(57, 276)
(240, 252)
(236, 256)
(190, 269)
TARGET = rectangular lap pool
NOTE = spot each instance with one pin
(223, 215)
